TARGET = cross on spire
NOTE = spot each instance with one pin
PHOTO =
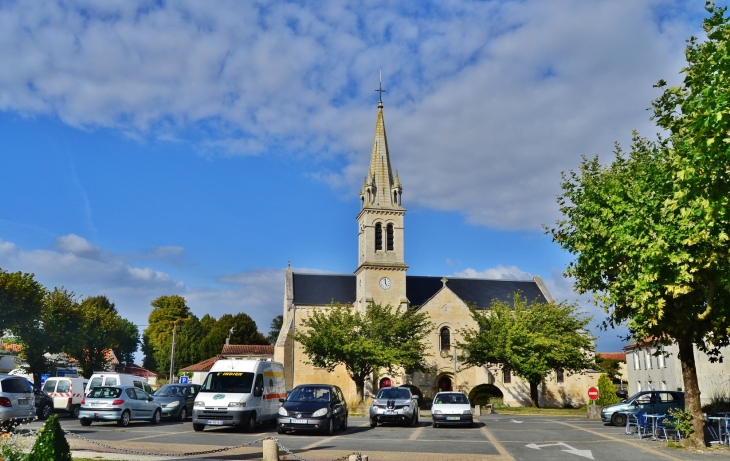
(380, 88)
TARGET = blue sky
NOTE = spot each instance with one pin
(152, 148)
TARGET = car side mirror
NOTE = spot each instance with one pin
(150, 398)
(258, 392)
(282, 400)
(335, 401)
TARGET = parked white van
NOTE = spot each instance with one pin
(110, 378)
(67, 393)
(239, 393)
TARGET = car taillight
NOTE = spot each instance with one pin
(5, 402)
(83, 401)
(118, 402)
(69, 400)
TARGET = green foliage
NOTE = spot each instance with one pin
(529, 340)
(51, 444)
(157, 337)
(21, 299)
(101, 330)
(682, 421)
(363, 342)
(484, 394)
(650, 231)
(610, 367)
(244, 328)
(606, 392)
(719, 401)
(274, 329)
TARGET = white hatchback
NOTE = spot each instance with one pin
(451, 408)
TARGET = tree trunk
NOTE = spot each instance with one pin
(691, 393)
(534, 394)
(360, 386)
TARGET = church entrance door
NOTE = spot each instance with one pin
(444, 384)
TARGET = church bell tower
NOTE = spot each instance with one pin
(381, 271)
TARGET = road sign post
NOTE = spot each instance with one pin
(593, 394)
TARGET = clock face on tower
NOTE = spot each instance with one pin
(385, 283)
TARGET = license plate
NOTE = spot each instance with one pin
(453, 418)
(298, 421)
(22, 401)
(390, 412)
(212, 422)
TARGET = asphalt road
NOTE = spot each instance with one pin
(495, 437)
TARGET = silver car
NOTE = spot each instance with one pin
(17, 401)
(394, 405)
(119, 403)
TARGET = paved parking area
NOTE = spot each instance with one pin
(494, 437)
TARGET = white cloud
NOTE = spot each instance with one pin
(487, 101)
(496, 273)
(77, 246)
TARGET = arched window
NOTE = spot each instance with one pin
(378, 237)
(389, 237)
(445, 339)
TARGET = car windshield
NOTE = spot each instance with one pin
(310, 394)
(169, 390)
(105, 393)
(394, 393)
(228, 381)
(450, 399)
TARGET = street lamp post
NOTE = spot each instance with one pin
(172, 354)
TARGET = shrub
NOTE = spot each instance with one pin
(719, 402)
(484, 394)
(606, 392)
(682, 421)
(51, 444)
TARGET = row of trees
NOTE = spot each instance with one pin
(56, 321)
(531, 340)
(651, 231)
(196, 339)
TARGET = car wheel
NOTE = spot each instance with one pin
(343, 426)
(45, 411)
(251, 426)
(618, 419)
(85, 422)
(434, 424)
(414, 421)
(373, 423)
(124, 419)
(330, 429)
(280, 430)
(156, 417)
(183, 414)
(198, 427)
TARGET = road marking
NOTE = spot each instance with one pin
(150, 436)
(516, 422)
(642, 446)
(416, 433)
(324, 439)
(502, 451)
(571, 450)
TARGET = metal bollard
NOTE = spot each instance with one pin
(271, 450)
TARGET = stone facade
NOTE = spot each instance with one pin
(381, 278)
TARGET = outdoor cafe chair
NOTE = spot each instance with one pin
(638, 420)
(661, 425)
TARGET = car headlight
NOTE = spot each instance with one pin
(283, 412)
(320, 412)
(466, 412)
(199, 403)
(237, 405)
(437, 412)
(173, 404)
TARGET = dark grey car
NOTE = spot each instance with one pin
(43, 403)
(319, 407)
(177, 400)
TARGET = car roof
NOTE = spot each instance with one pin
(327, 386)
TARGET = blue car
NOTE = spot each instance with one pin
(119, 403)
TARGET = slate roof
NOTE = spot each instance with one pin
(322, 289)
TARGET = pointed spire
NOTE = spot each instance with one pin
(380, 169)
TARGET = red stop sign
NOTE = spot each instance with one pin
(593, 393)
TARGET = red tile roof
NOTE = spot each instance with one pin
(620, 356)
(13, 347)
(247, 349)
(205, 365)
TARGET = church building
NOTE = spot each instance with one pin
(381, 277)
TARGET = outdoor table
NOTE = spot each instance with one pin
(654, 419)
(720, 420)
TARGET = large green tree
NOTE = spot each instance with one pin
(101, 330)
(56, 325)
(240, 328)
(530, 340)
(274, 329)
(21, 299)
(382, 337)
(167, 312)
